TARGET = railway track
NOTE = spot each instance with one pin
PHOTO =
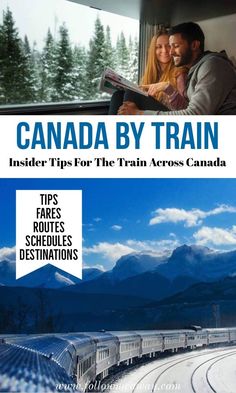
(166, 375)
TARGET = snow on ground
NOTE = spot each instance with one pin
(222, 374)
(183, 373)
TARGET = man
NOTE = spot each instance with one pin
(211, 84)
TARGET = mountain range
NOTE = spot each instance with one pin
(45, 277)
(157, 276)
(142, 291)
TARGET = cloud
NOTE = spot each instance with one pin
(88, 225)
(97, 266)
(116, 227)
(111, 251)
(190, 218)
(97, 219)
(156, 247)
(216, 236)
(8, 253)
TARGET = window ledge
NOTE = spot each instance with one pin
(60, 108)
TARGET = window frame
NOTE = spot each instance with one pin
(59, 108)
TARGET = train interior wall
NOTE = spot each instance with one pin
(220, 34)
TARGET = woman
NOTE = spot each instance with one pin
(164, 82)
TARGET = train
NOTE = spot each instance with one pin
(87, 357)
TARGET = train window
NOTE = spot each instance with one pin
(103, 354)
(84, 366)
(61, 59)
(149, 343)
(129, 346)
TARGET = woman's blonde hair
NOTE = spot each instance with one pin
(153, 72)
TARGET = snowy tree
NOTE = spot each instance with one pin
(79, 75)
(122, 55)
(36, 61)
(63, 80)
(15, 76)
(60, 72)
(96, 60)
(109, 55)
(47, 69)
(31, 59)
(26, 46)
(133, 60)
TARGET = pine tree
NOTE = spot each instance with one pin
(79, 75)
(63, 81)
(36, 61)
(47, 69)
(27, 46)
(133, 60)
(15, 78)
(33, 77)
(122, 55)
(96, 60)
(109, 58)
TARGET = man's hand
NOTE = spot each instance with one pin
(155, 88)
(129, 108)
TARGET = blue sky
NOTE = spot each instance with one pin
(133, 215)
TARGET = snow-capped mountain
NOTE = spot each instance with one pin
(135, 263)
(45, 277)
(195, 263)
(199, 262)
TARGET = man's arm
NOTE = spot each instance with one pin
(215, 79)
(176, 97)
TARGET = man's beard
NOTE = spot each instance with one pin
(185, 58)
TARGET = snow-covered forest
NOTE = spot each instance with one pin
(60, 71)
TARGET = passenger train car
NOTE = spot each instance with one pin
(81, 358)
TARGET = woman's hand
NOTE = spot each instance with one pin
(129, 108)
(155, 88)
